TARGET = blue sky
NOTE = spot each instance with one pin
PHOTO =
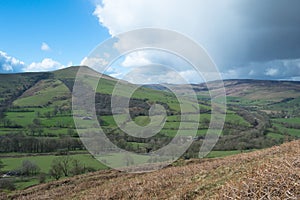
(67, 27)
(246, 39)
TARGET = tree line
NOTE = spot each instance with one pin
(20, 143)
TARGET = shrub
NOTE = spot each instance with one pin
(42, 178)
(7, 184)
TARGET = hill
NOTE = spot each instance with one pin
(37, 126)
(267, 174)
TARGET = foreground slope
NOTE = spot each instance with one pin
(272, 173)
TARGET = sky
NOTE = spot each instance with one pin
(249, 39)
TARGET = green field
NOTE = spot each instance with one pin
(219, 154)
(287, 131)
(44, 162)
(275, 135)
(295, 120)
(43, 93)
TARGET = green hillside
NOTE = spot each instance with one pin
(36, 116)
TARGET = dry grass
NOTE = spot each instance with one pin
(275, 178)
(269, 174)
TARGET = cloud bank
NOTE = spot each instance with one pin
(246, 39)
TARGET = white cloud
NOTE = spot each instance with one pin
(156, 73)
(46, 64)
(9, 64)
(271, 72)
(191, 76)
(186, 16)
(230, 74)
(7, 67)
(149, 57)
(296, 78)
(106, 55)
(45, 47)
(96, 63)
(201, 20)
(207, 22)
(70, 63)
(251, 73)
(149, 66)
(136, 59)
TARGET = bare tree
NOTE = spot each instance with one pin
(61, 166)
(55, 171)
(29, 168)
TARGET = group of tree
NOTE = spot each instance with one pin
(65, 166)
(29, 168)
(21, 143)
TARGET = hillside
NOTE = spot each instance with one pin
(272, 173)
(37, 125)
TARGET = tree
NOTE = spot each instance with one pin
(48, 114)
(31, 129)
(2, 114)
(60, 166)
(7, 184)
(128, 160)
(7, 123)
(38, 114)
(1, 164)
(29, 168)
(205, 122)
(71, 132)
(55, 171)
(65, 164)
(242, 146)
(40, 131)
(55, 110)
(42, 178)
(36, 122)
(78, 168)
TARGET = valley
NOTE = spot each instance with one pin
(37, 126)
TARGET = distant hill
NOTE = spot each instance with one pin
(249, 89)
(18, 87)
(267, 174)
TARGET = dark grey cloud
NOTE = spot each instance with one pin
(271, 29)
(276, 69)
